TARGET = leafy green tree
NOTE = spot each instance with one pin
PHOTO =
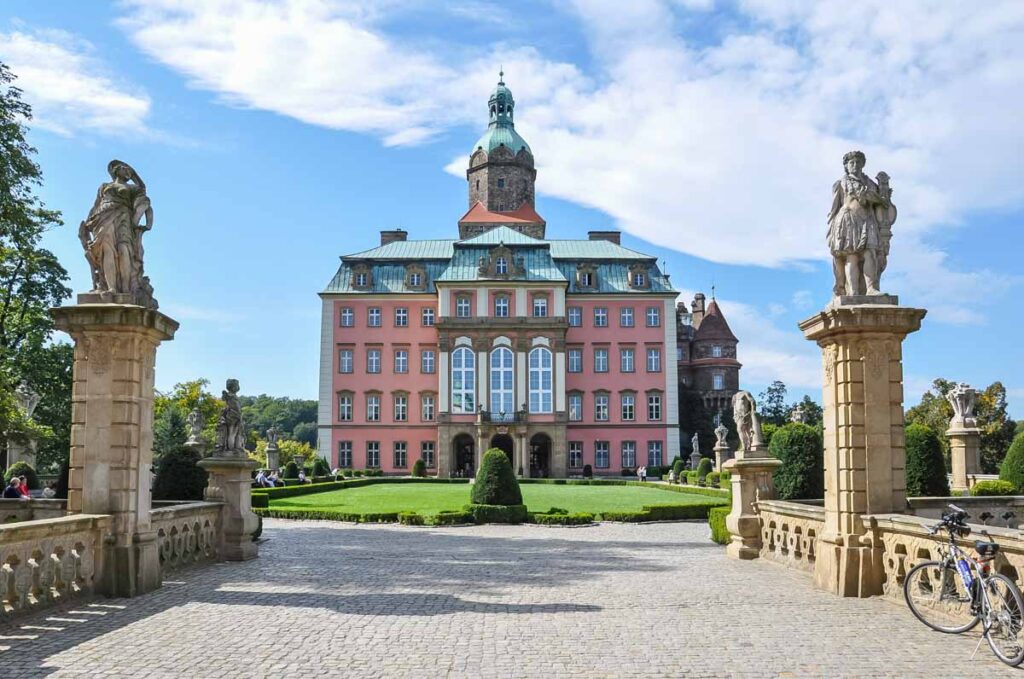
(1012, 467)
(767, 432)
(305, 432)
(813, 413)
(22, 468)
(48, 370)
(186, 397)
(286, 414)
(772, 404)
(495, 483)
(169, 431)
(925, 470)
(179, 476)
(419, 468)
(704, 467)
(802, 474)
(298, 451)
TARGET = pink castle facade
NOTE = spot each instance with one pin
(562, 353)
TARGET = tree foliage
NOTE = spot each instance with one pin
(771, 404)
(186, 397)
(495, 483)
(802, 474)
(48, 370)
(299, 451)
(695, 417)
(1012, 468)
(22, 468)
(294, 418)
(925, 468)
(179, 476)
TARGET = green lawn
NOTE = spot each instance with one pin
(429, 499)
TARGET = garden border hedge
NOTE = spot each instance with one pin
(716, 520)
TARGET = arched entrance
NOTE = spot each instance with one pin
(540, 456)
(505, 444)
(464, 450)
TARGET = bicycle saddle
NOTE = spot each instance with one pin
(985, 548)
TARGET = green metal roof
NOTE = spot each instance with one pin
(614, 278)
(387, 278)
(408, 249)
(503, 234)
(537, 262)
(593, 249)
(500, 135)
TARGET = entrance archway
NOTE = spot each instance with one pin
(464, 450)
(540, 456)
(504, 443)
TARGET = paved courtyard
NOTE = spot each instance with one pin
(616, 600)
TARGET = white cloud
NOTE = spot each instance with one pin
(68, 88)
(725, 150)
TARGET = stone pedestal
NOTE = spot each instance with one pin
(112, 432)
(722, 455)
(751, 478)
(21, 452)
(865, 459)
(694, 460)
(964, 455)
(230, 482)
(273, 457)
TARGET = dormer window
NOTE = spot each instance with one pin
(587, 280)
(362, 277)
(415, 276)
(361, 280)
(639, 280)
(415, 280)
(501, 265)
(638, 277)
(586, 276)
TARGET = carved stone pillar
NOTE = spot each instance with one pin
(751, 478)
(273, 456)
(964, 455)
(721, 455)
(112, 432)
(865, 460)
(230, 482)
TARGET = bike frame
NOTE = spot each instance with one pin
(950, 555)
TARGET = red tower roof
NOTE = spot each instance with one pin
(714, 326)
(524, 214)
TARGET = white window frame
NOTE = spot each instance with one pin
(627, 454)
(574, 362)
(346, 359)
(575, 406)
(463, 389)
(373, 407)
(427, 317)
(345, 407)
(373, 361)
(400, 448)
(428, 364)
(401, 317)
(575, 454)
(540, 307)
(373, 454)
(602, 452)
(347, 317)
(600, 317)
(501, 266)
(654, 360)
(401, 408)
(627, 407)
(653, 317)
(655, 453)
(627, 360)
(344, 454)
(427, 453)
(401, 361)
(502, 376)
(541, 380)
(501, 306)
(428, 411)
(718, 381)
(716, 351)
(600, 360)
(601, 413)
(626, 317)
(463, 307)
(575, 317)
(654, 403)
(373, 317)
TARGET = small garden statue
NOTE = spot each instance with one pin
(721, 432)
(230, 432)
(962, 397)
(798, 415)
(748, 424)
(27, 399)
(195, 426)
(272, 434)
(694, 451)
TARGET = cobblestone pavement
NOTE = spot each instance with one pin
(327, 599)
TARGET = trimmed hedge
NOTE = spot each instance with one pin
(22, 468)
(925, 470)
(309, 488)
(716, 519)
(179, 476)
(327, 515)
(260, 501)
(291, 470)
(661, 513)
(725, 480)
(802, 474)
(713, 480)
(419, 469)
(497, 513)
(704, 468)
(451, 518)
(993, 488)
(495, 482)
(1012, 467)
(562, 519)
(321, 468)
(411, 519)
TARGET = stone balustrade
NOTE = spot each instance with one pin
(32, 509)
(187, 533)
(789, 532)
(47, 561)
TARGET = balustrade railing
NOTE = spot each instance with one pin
(789, 532)
(187, 533)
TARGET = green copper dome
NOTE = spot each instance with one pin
(501, 129)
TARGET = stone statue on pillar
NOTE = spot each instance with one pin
(694, 451)
(27, 399)
(273, 453)
(23, 450)
(859, 230)
(112, 238)
(963, 398)
(230, 429)
(721, 446)
(798, 415)
(195, 426)
(748, 424)
(964, 437)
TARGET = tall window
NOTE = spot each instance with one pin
(601, 457)
(502, 376)
(401, 408)
(575, 454)
(415, 280)
(639, 280)
(718, 381)
(347, 317)
(344, 454)
(653, 317)
(344, 360)
(463, 381)
(653, 407)
(716, 351)
(601, 407)
(372, 454)
(654, 456)
(600, 360)
(401, 457)
(501, 306)
(427, 407)
(575, 361)
(501, 266)
(373, 317)
(540, 380)
(600, 317)
(586, 279)
(629, 453)
(628, 410)
(626, 360)
(362, 280)
(373, 361)
(373, 408)
(345, 407)
(540, 306)
(462, 307)
(575, 407)
(427, 316)
(427, 361)
(626, 317)
(401, 317)
(654, 360)
(401, 361)
(575, 316)
(427, 453)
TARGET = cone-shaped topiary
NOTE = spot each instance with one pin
(926, 470)
(419, 468)
(704, 468)
(678, 467)
(1012, 468)
(802, 474)
(291, 470)
(495, 483)
(321, 468)
(178, 476)
(22, 468)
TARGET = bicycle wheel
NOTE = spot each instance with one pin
(1005, 620)
(936, 596)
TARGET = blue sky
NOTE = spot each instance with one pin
(277, 135)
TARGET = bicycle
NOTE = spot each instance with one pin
(958, 591)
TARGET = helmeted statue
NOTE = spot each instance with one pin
(230, 429)
(748, 424)
(112, 237)
(859, 228)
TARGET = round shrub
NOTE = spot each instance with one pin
(704, 468)
(178, 476)
(802, 474)
(1012, 468)
(321, 468)
(588, 471)
(291, 470)
(993, 488)
(926, 470)
(678, 467)
(22, 468)
(713, 479)
(495, 483)
(419, 468)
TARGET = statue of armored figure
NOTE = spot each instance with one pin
(112, 238)
(748, 424)
(230, 428)
(963, 398)
(859, 229)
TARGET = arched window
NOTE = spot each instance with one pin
(463, 381)
(502, 376)
(540, 380)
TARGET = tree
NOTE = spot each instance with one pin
(802, 474)
(305, 432)
(48, 370)
(286, 414)
(495, 483)
(772, 404)
(813, 413)
(179, 476)
(1012, 467)
(925, 469)
(188, 396)
(298, 451)
(169, 431)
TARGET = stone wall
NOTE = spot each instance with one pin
(187, 533)
(28, 510)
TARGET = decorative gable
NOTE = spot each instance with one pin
(362, 276)
(586, 276)
(639, 276)
(415, 277)
(501, 263)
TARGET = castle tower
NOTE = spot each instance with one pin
(501, 173)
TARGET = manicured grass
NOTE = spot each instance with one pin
(429, 499)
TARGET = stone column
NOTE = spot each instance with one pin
(721, 455)
(522, 457)
(21, 451)
(964, 455)
(861, 346)
(751, 478)
(273, 456)
(112, 432)
(230, 482)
